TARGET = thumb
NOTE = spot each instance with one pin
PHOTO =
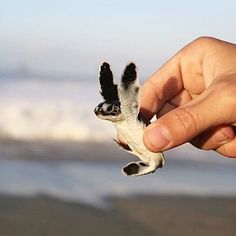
(186, 122)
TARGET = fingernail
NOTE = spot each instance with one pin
(158, 137)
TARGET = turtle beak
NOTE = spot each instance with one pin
(97, 110)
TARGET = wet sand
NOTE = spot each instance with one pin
(136, 216)
(61, 151)
(43, 150)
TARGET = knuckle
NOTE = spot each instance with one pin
(226, 92)
(225, 85)
(185, 122)
(200, 43)
(204, 40)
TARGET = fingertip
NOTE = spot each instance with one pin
(228, 149)
(157, 138)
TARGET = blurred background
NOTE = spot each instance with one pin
(60, 172)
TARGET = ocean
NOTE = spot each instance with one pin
(61, 111)
(50, 109)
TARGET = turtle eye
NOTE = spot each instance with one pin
(110, 108)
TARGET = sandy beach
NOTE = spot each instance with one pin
(45, 166)
(138, 216)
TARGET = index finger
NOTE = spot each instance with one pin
(161, 86)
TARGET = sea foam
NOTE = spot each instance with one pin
(34, 109)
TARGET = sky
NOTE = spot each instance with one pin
(73, 37)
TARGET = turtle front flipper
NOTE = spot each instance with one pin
(110, 108)
(129, 93)
(142, 168)
(108, 88)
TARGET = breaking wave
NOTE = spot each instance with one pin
(55, 110)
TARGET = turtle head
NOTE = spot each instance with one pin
(108, 111)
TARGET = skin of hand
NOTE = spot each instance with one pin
(193, 96)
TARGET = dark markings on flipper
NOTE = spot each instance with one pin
(134, 168)
(143, 118)
(131, 169)
(142, 164)
(108, 88)
(123, 145)
(161, 165)
(129, 75)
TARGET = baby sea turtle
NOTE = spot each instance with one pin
(121, 106)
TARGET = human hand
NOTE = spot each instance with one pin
(194, 97)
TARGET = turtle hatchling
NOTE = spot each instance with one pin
(121, 107)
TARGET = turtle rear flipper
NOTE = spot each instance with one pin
(141, 168)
